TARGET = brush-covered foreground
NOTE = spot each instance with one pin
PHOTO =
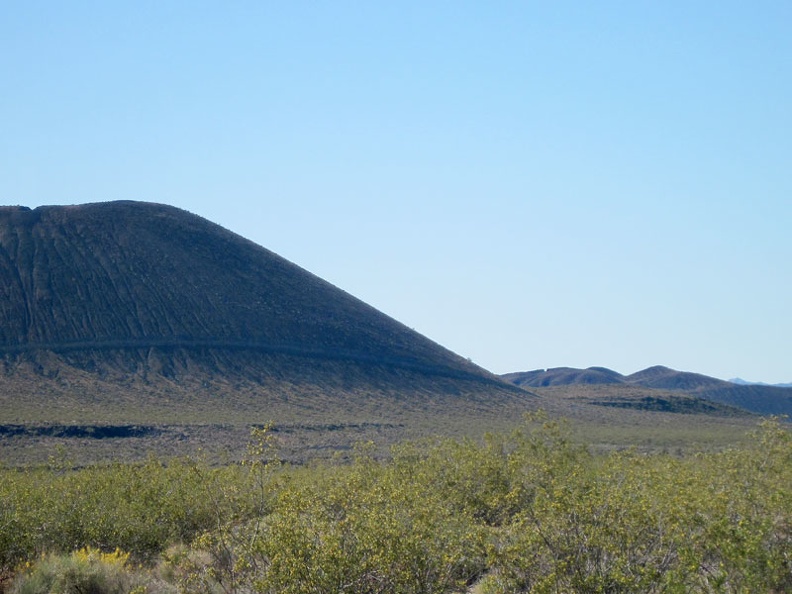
(530, 511)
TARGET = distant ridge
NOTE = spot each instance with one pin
(760, 399)
(742, 382)
(146, 304)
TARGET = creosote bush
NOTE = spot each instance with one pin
(528, 511)
(139, 508)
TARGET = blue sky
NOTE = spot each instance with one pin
(530, 184)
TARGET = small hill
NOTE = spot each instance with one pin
(561, 376)
(669, 379)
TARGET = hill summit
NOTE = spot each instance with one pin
(146, 309)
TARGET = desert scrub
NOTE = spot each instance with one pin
(370, 527)
(416, 523)
(716, 522)
(139, 508)
(528, 511)
(525, 512)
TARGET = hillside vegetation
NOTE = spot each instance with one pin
(527, 511)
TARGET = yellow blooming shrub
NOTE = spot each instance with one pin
(85, 570)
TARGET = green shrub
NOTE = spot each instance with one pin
(364, 528)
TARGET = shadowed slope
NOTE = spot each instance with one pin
(142, 275)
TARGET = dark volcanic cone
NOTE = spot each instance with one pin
(128, 302)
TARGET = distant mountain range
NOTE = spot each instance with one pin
(742, 382)
(755, 398)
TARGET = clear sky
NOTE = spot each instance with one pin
(530, 184)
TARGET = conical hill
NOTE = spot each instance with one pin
(136, 306)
